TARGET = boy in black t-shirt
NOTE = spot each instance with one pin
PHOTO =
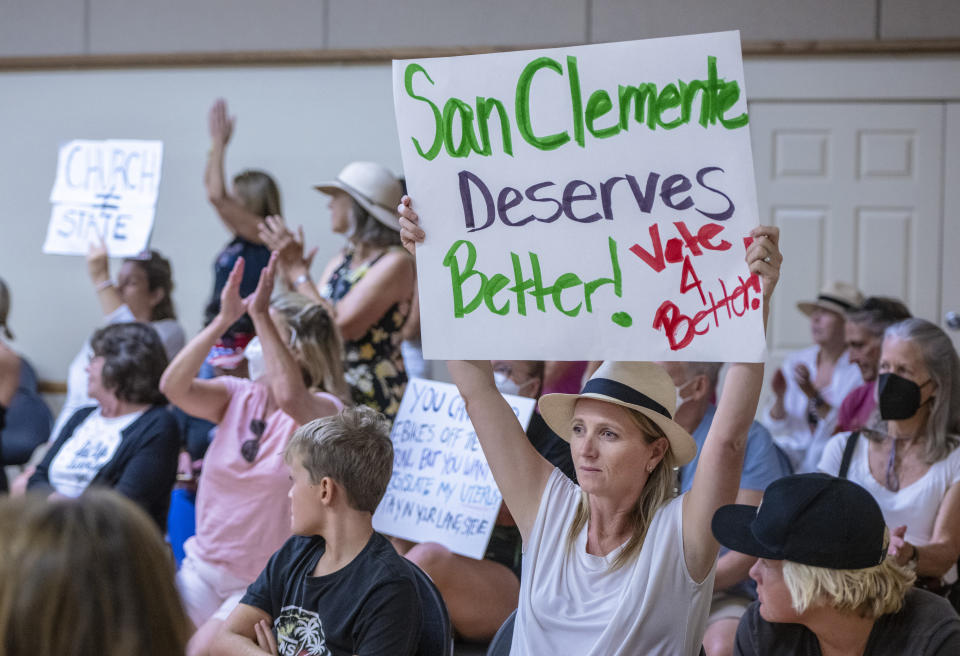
(336, 587)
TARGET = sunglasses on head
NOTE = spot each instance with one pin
(250, 447)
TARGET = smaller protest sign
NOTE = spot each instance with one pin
(442, 489)
(104, 190)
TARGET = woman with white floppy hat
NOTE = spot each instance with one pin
(616, 565)
(811, 383)
(367, 287)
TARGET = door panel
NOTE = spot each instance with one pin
(856, 190)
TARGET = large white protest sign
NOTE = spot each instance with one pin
(588, 202)
(104, 189)
(442, 489)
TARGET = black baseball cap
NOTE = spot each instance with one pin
(811, 519)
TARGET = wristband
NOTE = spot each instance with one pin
(299, 280)
(103, 284)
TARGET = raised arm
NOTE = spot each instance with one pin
(717, 479)
(282, 370)
(238, 219)
(206, 399)
(521, 473)
(98, 268)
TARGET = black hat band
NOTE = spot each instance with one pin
(625, 393)
(838, 301)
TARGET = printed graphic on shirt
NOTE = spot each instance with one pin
(300, 633)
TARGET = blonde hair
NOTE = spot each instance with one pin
(86, 576)
(353, 448)
(316, 343)
(869, 592)
(660, 488)
(258, 192)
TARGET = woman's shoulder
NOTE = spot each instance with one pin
(395, 257)
(833, 450)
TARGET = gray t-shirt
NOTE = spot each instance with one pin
(926, 626)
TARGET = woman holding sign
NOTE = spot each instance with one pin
(603, 572)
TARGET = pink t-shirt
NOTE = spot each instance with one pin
(243, 511)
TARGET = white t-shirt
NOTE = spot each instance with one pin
(570, 603)
(914, 506)
(92, 445)
(171, 335)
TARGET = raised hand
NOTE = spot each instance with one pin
(258, 303)
(899, 548)
(779, 383)
(275, 235)
(232, 307)
(411, 233)
(98, 267)
(802, 376)
(764, 257)
(221, 124)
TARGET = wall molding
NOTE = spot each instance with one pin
(370, 55)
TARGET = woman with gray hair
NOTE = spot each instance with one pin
(909, 461)
(367, 287)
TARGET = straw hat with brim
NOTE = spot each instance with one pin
(640, 386)
(373, 186)
(839, 297)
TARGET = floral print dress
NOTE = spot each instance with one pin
(373, 364)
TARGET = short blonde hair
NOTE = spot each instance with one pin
(869, 592)
(353, 448)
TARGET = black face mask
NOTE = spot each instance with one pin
(897, 397)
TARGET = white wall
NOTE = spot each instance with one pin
(301, 124)
(58, 27)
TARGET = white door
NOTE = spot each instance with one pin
(950, 282)
(857, 191)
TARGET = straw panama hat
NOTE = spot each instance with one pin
(641, 386)
(839, 297)
(373, 186)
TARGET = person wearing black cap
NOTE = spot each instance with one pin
(825, 584)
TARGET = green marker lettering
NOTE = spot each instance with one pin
(410, 71)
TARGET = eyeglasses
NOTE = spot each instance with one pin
(250, 447)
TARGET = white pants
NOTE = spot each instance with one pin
(207, 591)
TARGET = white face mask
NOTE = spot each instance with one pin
(505, 384)
(254, 355)
(680, 399)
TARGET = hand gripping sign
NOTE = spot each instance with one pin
(104, 190)
(591, 202)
